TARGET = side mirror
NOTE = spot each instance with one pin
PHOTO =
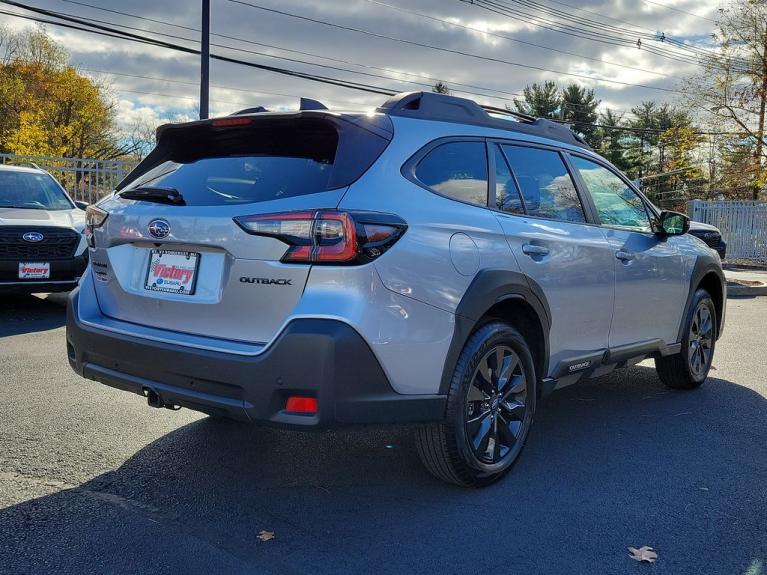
(81, 205)
(672, 224)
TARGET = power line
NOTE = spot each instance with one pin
(443, 49)
(678, 10)
(244, 50)
(505, 37)
(291, 50)
(554, 26)
(114, 33)
(111, 32)
(215, 86)
(596, 31)
(654, 36)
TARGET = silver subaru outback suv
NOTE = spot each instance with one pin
(432, 262)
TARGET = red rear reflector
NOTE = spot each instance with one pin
(298, 404)
(225, 122)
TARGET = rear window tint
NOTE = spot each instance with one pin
(241, 179)
(457, 170)
(545, 183)
(268, 160)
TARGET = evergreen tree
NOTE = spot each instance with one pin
(579, 107)
(541, 101)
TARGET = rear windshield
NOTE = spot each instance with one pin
(268, 160)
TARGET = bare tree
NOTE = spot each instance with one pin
(732, 89)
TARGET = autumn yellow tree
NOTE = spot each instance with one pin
(47, 107)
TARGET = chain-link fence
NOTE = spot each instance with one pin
(85, 179)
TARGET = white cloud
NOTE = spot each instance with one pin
(169, 83)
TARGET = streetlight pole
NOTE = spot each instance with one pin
(205, 60)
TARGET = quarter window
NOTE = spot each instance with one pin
(545, 183)
(507, 196)
(617, 204)
(457, 170)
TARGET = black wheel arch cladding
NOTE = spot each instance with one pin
(706, 266)
(489, 288)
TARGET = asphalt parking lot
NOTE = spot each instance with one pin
(94, 481)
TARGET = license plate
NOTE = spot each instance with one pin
(34, 271)
(172, 271)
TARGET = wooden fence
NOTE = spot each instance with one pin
(743, 225)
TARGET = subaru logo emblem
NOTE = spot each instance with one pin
(33, 237)
(159, 229)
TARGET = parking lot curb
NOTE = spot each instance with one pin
(740, 290)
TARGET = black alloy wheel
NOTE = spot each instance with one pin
(496, 404)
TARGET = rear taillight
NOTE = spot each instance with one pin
(328, 236)
(94, 218)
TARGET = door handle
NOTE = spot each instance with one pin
(533, 250)
(624, 256)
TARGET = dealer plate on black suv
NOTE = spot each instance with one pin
(172, 271)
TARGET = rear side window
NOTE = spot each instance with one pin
(269, 159)
(457, 170)
(545, 183)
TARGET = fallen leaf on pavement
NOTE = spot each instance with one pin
(645, 553)
(265, 535)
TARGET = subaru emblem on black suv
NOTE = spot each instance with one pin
(33, 237)
(159, 228)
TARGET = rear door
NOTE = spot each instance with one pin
(650, 292)
(188, 266)
(549, 232)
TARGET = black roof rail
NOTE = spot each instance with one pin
(445, 108)
(506, 112)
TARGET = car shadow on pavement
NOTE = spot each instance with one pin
(614, 462)
(20, 314)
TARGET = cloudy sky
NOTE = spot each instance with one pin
(510, 45)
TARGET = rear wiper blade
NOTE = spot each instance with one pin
(151, 194)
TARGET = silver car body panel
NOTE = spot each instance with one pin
(576, 276)
(404, 303)
(655, 279)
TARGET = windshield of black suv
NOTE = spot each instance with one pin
(31, 191)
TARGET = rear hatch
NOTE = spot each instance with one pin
(170, 255)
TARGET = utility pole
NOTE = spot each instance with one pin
(760, 130)
(205, 60)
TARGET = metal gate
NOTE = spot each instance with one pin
(85, 179)
(743, 225)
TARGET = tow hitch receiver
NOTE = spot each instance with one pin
(154, 400)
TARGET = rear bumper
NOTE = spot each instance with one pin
(321, 358)
(64, 276)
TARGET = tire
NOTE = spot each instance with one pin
(689, 368)
(487, 418)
